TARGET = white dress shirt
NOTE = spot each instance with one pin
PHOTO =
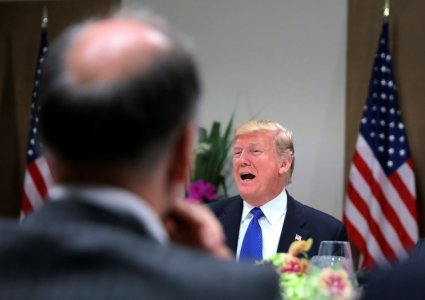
(116, 200)
(271, 224)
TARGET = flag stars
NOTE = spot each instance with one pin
(373, 121)
(388, 58)
(383, 82)
(34, 130)
(374, 108)
(365, 108)
(383, 109)
(401, 139)
(372, 134)
(381, 148)
(383, 96)
(383, 69)
(382, 122)
(390, 83)
(391, 151)
(391, 138)
(32, 141)
(390, 163)
(30, 152)
(375, 95)
(402, 152)
(364, 120)
(383, 55)
(392, 110)
(382, 136)
(400, 125)
(391, 97)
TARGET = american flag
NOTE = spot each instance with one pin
(380, 210)
(37, 174)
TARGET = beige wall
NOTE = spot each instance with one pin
(276, 59)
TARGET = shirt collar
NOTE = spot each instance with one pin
(273, 210)
(117, 200)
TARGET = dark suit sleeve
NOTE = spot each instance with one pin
(341, 233)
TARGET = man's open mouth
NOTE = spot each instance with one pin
(247, 176)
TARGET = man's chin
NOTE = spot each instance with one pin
(246, 193)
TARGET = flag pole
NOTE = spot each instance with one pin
(386, 9)
(45, 18)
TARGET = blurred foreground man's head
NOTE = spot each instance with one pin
(118, 100)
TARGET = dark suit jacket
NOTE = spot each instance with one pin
(74, 250)
(300, 220)
(402, 281)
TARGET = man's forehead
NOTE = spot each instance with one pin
(255, 137)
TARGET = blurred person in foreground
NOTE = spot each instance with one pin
(263, 162)
(403, 280)
(119, 99)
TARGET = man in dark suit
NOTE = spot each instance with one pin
(263, 162)
(118, 104)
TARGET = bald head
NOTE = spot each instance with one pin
(113, 50)
(118, 89)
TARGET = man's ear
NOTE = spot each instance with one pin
(182, 156)
(285, 165)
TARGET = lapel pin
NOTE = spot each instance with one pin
(298, 237)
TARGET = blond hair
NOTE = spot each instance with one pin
(283, 140)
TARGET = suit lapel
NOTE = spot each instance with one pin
(230, 218)
(293, 225)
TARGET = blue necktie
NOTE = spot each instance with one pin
(252, 245)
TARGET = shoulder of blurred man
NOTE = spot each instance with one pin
(75, 256)
(402, 281)
(300, 220)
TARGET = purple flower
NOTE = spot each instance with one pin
(201, 190)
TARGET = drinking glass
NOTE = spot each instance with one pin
(334, 252)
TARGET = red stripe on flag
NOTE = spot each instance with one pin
(404, 194)
(410, 163)
(26, 204)
(38, 179)
(358, 240)
(386, 208)
(364, 209)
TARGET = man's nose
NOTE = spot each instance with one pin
(244, 159)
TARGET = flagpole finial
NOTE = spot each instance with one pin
(387, 9)
(45, 18)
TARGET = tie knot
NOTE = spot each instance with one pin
(257, 213)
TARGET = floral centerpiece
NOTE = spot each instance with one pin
(208, 180)
(300, 279)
